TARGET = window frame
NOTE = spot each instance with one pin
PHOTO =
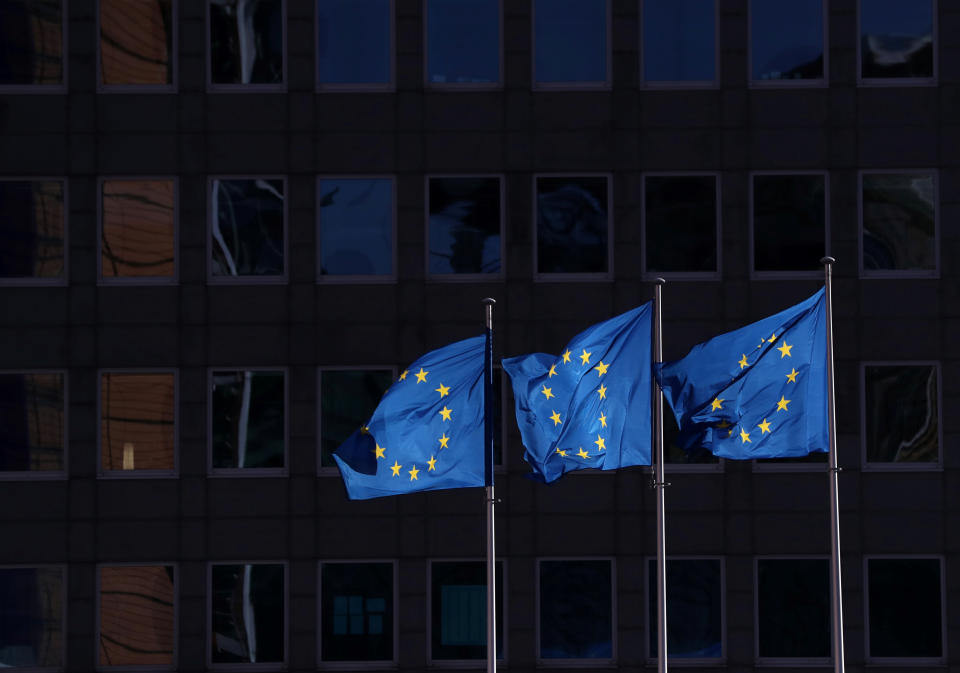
(461, 86)
(212, 88)
(682, 84)
(535, 86)
(64, 578)
(64, 279)
(356, 87)
(139, 88)
(899, 81)
(61, 88)
(818, 83)
(44, 475)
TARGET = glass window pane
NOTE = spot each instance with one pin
(570, 41)
(31, 422)
(136, 41)
(246, 41)
(899, 222)
(674, 455)
(458, 595)
(680, 217)
(786, 39)
(356, 226)
(31, 42)
(136, 616)
(463, 41)
(902, 414)
(247, 421)
(576, 610)
(138, 229)
(248, 613)
(247, 227)
(694, 608)
(356, 611)
(31, 229)
(679, 43)
(31, 617)
(137, 429)
(789, 222)
(896, 38)
(572, 225)
(905, 609)
(793, 607)
(353, 41)
(465, 225)
(347, 400)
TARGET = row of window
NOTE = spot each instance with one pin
(248, 420)
(246, 43)
(247, 613)
(356, 230)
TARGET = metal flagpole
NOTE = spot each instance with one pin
(488, 463)
(659, 485)
(836, 594)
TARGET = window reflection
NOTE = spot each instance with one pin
(248, 419)
(31, 422)
(680, 217)
(679, 40)
(458, 600)
(31, 229)
(247, 226)
(248, 613)
(572, 223)
(463, 41)
(902, 414)
(786, 39)
(899, 222)
(356, 611)
(137, 229)
(31, 42)
(137, 414)
(246, 41)
(465, 225)
(356, 226)
(570, 41)
(347, 399)
(789, 222)
(896, 39)
(136, 616)
(576, 610)
(354, 41)
(136, 41)
(31, 617)
(905, 609)
(694, 608)
(793, 608)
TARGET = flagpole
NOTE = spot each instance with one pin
(659, 485)
(491, 500)
(836, 594)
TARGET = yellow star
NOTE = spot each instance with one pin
(433, 464)
(785, 350)
(603, 392)
(730, 432)
(566, 356)
(716, 404)
(603, 421)
(599, 441)
(396, 468)
(556, 419)
(364, 430)
(582, 453)
(562, 453)
(421, 375)
(444, 440)
(548, 392)
(773, 337)
(553, 371)
(404, 374)
(443, 390)
(745, 437)
(782, 404)
(723, 424)
(413, 473)
(601, 368)
(379, 451)
(764, 427)
(446, 413)
(742, 361)
(585, 357)
(792, 376)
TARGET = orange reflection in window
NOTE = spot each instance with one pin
(136, 616)
(137, 421)
(137, 239)
(136, 41)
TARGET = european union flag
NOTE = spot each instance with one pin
(589, 406)
(427, 433)
(757, 392)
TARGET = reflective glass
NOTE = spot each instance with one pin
(793, 608)
(31, 229)
(789, 222)
(356, 226)
(136, 41)
(896, 38)
(679, 40)
(906, 614)
(463, 41)
(902, 414)
(31, 617)
(31, 422)
(458, 610)
(347, 399)
(247, 227)
(356, 612)
(31, 42)
(680, 219)
(138, 226)
(694, 608)
(136, 616)
(246, 41)
(353, 41)
(247, 419)
(899, 222)
(674, 455)
(570, 41)
(248, 613)
(786, 39)
(576, 610)
(465, 225)
(572, 225)
(137, 422)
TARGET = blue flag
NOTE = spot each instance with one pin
(589, 406)
(427, 433)
(757, 392)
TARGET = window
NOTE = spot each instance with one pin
(358, 611)
(248, 421)
(347, 400)
(138, 423)
(32, 425)
(463, 43)
(32, 231)
(138, 230)
(356, 230)
(905, 618)
(247, 41)
(248, 614)
(681, 225)
(676, 459)
(695, 628)
(458, 611)
(137, 44)
(901, 415)
(897, 42)
(136, 620)
(576, 610)
(793, 609)
(32, 38)
(570, 44)
(573, 226)
(465, 222)
(248, 230)
(789, 216)
(679, 42)
(355, 44)
(787, 42)
(898, 220)
(32, 612)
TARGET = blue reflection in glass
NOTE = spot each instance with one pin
(896, 38)
(463, 41)
(576, 610)
(356, 226)
(570, 41)
(353, 41)
(694, 608)
(786, 39)
(464, 225)
(679, 38)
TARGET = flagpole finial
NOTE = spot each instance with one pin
(827, 260)
(489, 301)
(659, 281)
